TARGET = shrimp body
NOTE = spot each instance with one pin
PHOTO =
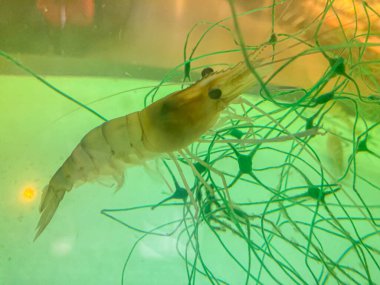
(167, 125)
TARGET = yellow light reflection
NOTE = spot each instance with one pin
(28, 194)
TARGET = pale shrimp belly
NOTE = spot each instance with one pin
(105, 151)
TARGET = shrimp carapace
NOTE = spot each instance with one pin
(165, 126)
(179, 119)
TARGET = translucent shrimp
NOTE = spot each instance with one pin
(165, 126)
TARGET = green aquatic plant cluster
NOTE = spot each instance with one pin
(265, 187)
(280, 186)
(279, 191)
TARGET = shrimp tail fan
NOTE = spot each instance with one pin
(51, 197)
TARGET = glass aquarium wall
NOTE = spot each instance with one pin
(189, 142)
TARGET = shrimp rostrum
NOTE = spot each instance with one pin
(165, 126)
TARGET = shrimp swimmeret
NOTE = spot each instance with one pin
(165, 126)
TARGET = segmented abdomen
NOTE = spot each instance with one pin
(105, 151)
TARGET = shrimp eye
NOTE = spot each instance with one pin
(215, 93)
(207, 71)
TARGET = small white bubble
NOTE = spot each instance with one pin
(62, 246)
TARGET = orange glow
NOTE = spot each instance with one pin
(179, 8)
(73, 12)
(28, 194)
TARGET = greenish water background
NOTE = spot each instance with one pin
(38, 133)
(81, 246)
(39, 129)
